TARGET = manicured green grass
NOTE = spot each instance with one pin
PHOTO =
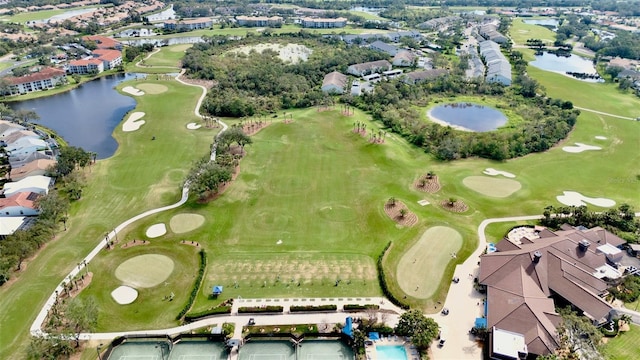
(44, 14)
(366, 15)
(521, 32)
(143, 174)
(168, 56)
(492, 186)
(624, 346)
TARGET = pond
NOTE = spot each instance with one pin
(566, 65)
(467, 116)
(87, 115)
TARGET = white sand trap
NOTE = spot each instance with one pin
(156, 230)
(279, 242)
(423, 202)
(193, 126)
(133, 123)
(600, 137)
(124, 295)
(494, 172)
(573, 198)
(132, 91)
(580, 147)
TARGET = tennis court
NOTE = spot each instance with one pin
(267, 350)
(148, 350)
(198, 350)
(324, 350)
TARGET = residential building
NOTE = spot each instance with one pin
(369, 68)
(17, 135)
(323, 23)
(404, 58)
(9, 225)
(7, 128)
(19, 204)
(18, 162)
(110, 58)
(384, 47)
(490, 32)
(103, 42)
(417, 77)
(24, 146)
(523, 277)
(46, 78)
(334, 83)
(441, 23)
(86, 66)
(189, 24)
(35, 167)
(498, 68)
(38, 184)
(252, 21)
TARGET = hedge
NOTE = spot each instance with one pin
(260, 309)
(383, 281)
(196, 285)
(213, 311)
(299, 308)
(357, 307)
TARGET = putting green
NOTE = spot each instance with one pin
(494, 187)
(183, 223)
(421, 267)
(145, 271)
(152, 88)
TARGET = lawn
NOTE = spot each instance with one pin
(521, 32)
(624, 346)
(168, 56)
(118, 188)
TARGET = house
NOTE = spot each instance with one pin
(110, 58)
(253, 21)
(16, 135)
(421, 76)
(369, 68)
(188, 25)
(38, 183)
(86, 66)
(490, 32)
(44, 79)
(103, 42)
(334, 83)
(9, 225)
(18, 162)
(24, 146)
(19, 204)
(35, 167)
(7, 128)
(323, 23)
(384, 47)
(524, 276)
(404, 58)
(441, 23)
(498, 68)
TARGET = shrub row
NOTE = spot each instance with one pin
(356, 307)
(213, 311)
(260, 309)
(299, 308)
(383, 281)
(196, 285)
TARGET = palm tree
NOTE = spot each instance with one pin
(403, 213)
(452, 201)
(423, 182)
(391, 202)
(430, 174)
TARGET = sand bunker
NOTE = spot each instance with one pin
(133, 123)
(494, 172)
(291, 53)
(193, 126)
(156, 230)
(152, 88)
(145, 271)
(599, 137)
(494, 187)
(423, 202)
(183, 223)
(132, 91)
(124, 295)
(573, 198)
(580, 147)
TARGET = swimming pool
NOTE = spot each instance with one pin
(391, 352)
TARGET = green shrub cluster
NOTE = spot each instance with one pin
(299, 308)
(357, 307)
(260, 309)
(196, 285)
(383, 280)
(213, 311)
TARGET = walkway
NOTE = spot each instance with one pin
(604, 113)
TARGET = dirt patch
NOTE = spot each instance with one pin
(135, 243)
(190, 243)
(394, 212)
(458, 206)
(429, 184)
(206, 83)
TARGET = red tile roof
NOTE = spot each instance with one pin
(103, 42)
(46, 73)
(85, 62)
(19, 199)
(107, 55)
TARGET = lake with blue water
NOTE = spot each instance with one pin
(85, 116)
(469, 116)
(563, 64)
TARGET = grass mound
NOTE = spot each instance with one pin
(183, 223)
(494, 187)
(421, 267)
(145, 271)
